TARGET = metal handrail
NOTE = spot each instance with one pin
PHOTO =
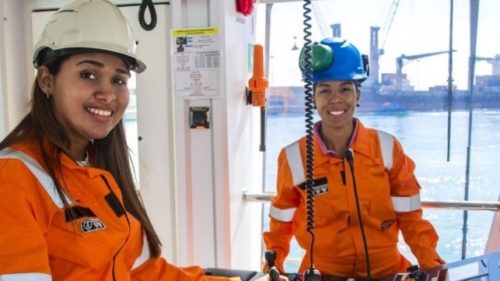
(457, 205)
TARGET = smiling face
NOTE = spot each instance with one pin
(336, 103)
(89, 96)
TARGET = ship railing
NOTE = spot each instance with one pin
(448, 204)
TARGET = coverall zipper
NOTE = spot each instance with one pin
(128, 223)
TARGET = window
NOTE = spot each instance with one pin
(130, 124)
(412, 105)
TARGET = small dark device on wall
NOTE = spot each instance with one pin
(199, 117)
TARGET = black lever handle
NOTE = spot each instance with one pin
(274, 274)
(270, 258)
(312, 274)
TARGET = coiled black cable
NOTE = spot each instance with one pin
(308, 94)
(142, 11)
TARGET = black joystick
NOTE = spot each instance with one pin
(274, 273)
(416, 274)
(312, 274)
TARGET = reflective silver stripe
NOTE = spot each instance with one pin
(406, 204)
(295, 163)
(144, 254)
(42, 176)
(26, 277)
(386, 145)
(284, 215)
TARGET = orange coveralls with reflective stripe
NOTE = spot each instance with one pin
(37, 243)
(338, 246)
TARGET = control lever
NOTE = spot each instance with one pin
(274, 273)
(414, 273)
(312, 274)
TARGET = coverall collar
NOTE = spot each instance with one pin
(322, 154)
(31, 148)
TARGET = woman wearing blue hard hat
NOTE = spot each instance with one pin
(381, 182)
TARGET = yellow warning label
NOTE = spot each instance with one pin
(195, 31)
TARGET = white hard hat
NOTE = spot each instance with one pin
(88, 24)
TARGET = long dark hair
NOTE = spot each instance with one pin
(110, 153)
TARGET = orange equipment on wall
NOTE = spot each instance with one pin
(258, 83)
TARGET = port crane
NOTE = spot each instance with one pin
(494, 61)
(377, 50)
(401, 60)
(489, 59)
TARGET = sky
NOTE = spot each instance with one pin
(418, 26)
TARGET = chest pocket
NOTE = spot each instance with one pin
(68, 251)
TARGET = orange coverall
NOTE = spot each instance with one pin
(389, 202)
(104, 243)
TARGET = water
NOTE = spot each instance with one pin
(424, 138)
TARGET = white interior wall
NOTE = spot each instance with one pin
(243, 123)
(195, 163)
(3, 87)
(215, 166)
(154, 126)
(15, 65)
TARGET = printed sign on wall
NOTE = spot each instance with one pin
(196, 62)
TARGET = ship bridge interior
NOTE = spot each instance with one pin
(205, 159)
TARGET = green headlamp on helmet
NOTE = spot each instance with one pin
(335, 59)
(321, 57)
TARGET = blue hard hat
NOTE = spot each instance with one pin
(336, 59)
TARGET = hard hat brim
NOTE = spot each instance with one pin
(47, 55)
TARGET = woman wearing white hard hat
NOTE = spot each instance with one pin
(68, 204)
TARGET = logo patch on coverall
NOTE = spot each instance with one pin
(92, 224)
(320, 186)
